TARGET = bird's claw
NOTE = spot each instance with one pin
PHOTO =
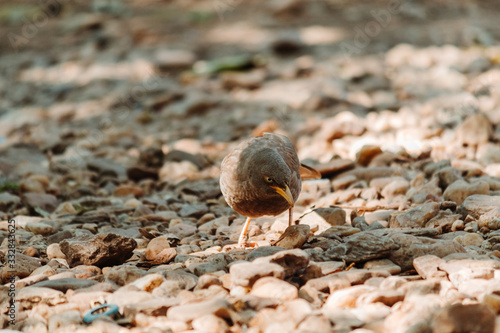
(245, 245)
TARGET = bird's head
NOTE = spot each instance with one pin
(272, 176)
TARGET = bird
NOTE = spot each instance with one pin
(262, 176)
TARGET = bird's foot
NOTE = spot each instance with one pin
(246, 244)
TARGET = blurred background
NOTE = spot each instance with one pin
(134, 80)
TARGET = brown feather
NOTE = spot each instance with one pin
(307, 172)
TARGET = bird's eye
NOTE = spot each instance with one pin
(269, 179)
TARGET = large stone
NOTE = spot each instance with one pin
(274, 288)
(457, 318)
(362, 246)
(9, 201)
(415, 217)
(47, 202)
(460, 190)
(428, 266)
(123, 275)
(22, 266)
(210, 324)
(154, 307)
(159, 250)
(190, 311)
(475, 130)
(411, 247)
(99, 250)
(294, 236)
(246, 274)
(40, 228)
(29, 297)
(332, 215)
(66, 283)
(478, 204)
(293, 261)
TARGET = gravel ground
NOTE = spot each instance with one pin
(115, 116)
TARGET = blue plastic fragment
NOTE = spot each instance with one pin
(94, 313)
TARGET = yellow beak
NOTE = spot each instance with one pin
(285, 194)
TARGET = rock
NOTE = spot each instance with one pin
(99, 250)
(443, 220)
(343, 279)
(159, 251)
(246, 274)
(366, 154)
(263, 251)
(47, 202)
(332, 215)
(493, 301)
(183, 230)
(456, 318)
(395, 188)
(470, 239)
(369, 173)
(191, 311)
(249, 80)
(64, 320)
(22, 267)
(427, 266)
(213, 263)
(9, 201)
(329, 267)
(207, 280)
(383, 264)
(346, 298)
(66, 284)
(294, 236)
(286, 43)
(342, 124)
(148, 282)
(106, 168)
(476, 129)
(186, 280)
(460, 190)
(293, 261)
(489, 216)
(138, 173)
(210, 324)
(333, 167)
(193, 210)
(477, 205)
(411, 247)
(59, 236)
(151, 307)
(274, 288)
(341, 183)
(126, 190)
(421, 193)
(40, 228)
(29, 297)
(30, 280)
(447, 176)
(415, 217)
(362, 246)
(315, 323)
(168, 59)
(123, 275)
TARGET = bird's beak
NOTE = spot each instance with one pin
(285, 194)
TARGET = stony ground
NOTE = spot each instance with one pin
(115, 116)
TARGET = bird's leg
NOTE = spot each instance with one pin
(242, 241)
(290, 222)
